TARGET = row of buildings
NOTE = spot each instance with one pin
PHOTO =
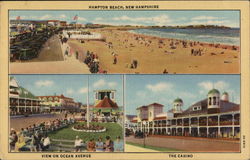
(22, 101)
(214, 117)
(16, 24)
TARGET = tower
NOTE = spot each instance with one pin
(225, 97)
(177, 106)
(101, 94)
(213, 101)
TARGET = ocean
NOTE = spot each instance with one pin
(216, 35)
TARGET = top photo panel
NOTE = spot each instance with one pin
(124, 42)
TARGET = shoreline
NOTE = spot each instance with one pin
(220, 45)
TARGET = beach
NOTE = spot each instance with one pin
(153, 55)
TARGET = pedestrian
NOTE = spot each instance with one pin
(118, 145)
(78, 144)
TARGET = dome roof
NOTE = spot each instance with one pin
(178, 100)
(225, 93)
(213, 91)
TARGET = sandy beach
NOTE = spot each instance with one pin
(153, 55)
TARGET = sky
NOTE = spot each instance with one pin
(139, 89)
(160, 18)
(74, 86)
(164, 89)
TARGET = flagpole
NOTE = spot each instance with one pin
(88, 104)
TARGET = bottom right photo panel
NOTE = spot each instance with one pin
(182, 113)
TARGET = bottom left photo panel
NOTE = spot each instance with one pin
(66, 113)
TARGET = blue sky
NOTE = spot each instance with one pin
(167, 18)
(139, 89)
(164, 89)
(74, 86)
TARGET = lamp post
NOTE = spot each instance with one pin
(25, 94)
(18, 104)
(144, 131)
(88, 105)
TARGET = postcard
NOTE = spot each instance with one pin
(124, 80)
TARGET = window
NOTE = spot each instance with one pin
(50, 98)
(196, 108)
(209, 101)
(214, 100)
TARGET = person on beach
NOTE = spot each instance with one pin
(165, 71)
(115, 59)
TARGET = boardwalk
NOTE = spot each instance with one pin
(190, 144)
(50, 60)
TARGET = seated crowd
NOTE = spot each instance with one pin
(34, 137)
(99, 145)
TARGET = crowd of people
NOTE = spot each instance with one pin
(99, 145)
(92, 61)
(35, 137)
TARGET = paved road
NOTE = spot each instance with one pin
(23, 122)
(51, 51)
(190, 144)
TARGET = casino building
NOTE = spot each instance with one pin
(214, 117)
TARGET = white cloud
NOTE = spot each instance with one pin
(70, 91)
(102, 82)
(208, 85)
(141, 94)
(205, 18)
(82, 19)
(112, 84)
(44, 83)
(156, 20)
(83, 90)
(158, 87)
(99, 83)
(62, 16)
(99, 19)
(45, 17)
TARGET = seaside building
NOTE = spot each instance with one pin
(22, 101)
(130, 122)
(59, 103)
(214, 117)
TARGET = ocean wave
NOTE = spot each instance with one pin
(223, 39)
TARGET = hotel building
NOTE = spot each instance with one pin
(59, 103)
(214, 117)
(22, 101)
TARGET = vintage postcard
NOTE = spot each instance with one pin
(124, 80)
